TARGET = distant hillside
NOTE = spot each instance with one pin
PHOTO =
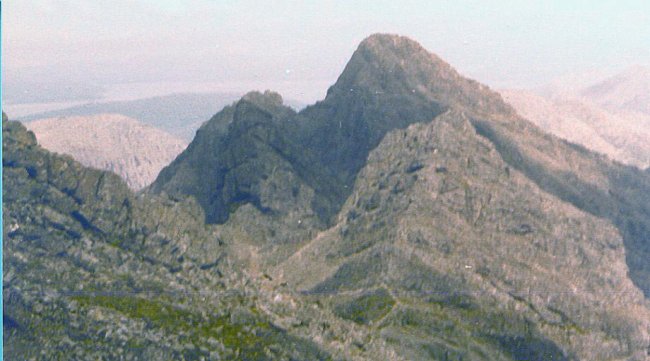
(111, 142)
(623, 136)
(178, 114)
(628, 91)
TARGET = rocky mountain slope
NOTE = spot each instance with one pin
(389, 83)
(443, 250)
(410, 215)
(623, 136)
(92, 271)
(110, 142)
(326, 144)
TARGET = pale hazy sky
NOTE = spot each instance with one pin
(80, 47)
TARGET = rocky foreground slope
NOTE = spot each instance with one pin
(110, 142)
(92, 271)
(410, 215)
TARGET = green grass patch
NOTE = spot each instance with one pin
(250, 334)
(367, 308)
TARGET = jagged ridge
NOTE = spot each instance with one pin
(446, 234)
(92, 271)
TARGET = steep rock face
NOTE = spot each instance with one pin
(92, 271)
(390, 82)
(588, 181)
(374, 94)
(439, 220)
(242, 156)
(112, 142)
(234, 148)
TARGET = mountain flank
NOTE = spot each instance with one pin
(410, 215)
(93, 271)
(593, 116)
(378, 91)
(392, 83)
(112, 142)
(627, 91)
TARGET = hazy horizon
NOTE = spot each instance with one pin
(72, 50)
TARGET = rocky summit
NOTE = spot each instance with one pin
(410, 215)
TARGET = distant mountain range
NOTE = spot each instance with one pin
(177, 114)
(610, 116)
(628, 91)
(110, 142)
(624, 137)
(412, 214)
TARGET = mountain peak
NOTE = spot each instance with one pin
(627, 91)
(384, 62)
(393, 66)
(256, 106)
(391, 42)
(389, 83)
(268, 98)
(112, 142)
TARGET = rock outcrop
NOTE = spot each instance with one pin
(473, 260)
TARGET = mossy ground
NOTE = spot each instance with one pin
(250, 337)
(367, 308)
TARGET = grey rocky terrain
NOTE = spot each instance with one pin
(410, 215)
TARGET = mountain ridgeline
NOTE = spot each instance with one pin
(410, 215)
(93, 271)
(389, 83)
(177, 114)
